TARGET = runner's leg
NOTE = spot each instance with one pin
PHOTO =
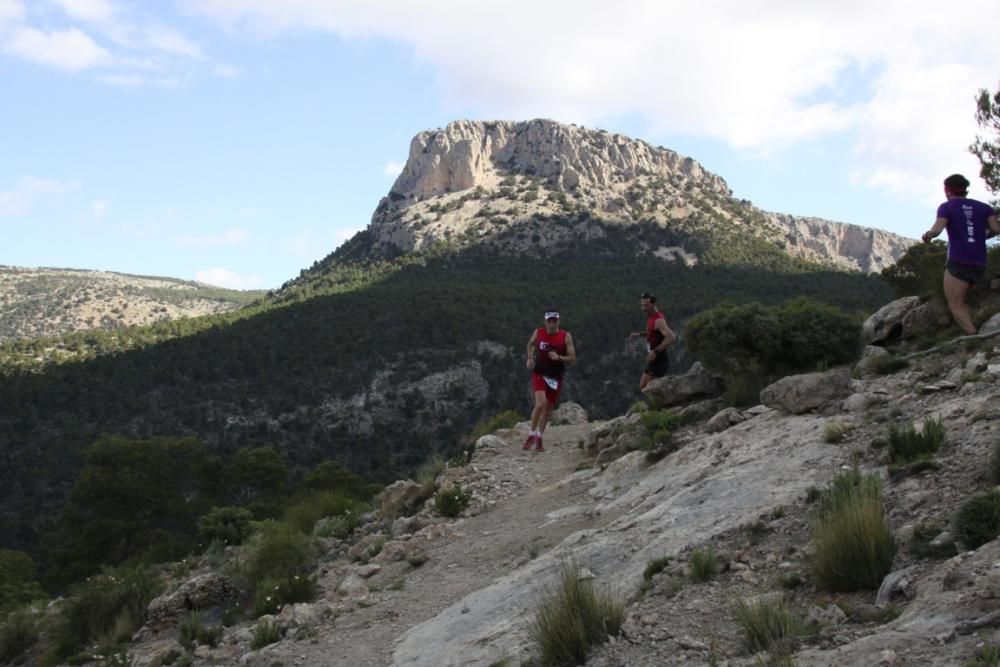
(955, 291)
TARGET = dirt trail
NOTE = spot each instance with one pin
(476, 551)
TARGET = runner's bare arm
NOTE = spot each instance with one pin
(993, 223)
(669, 338)
(570, 357)
(531, 349)
(938, 227)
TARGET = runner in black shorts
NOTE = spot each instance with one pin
(658, 338)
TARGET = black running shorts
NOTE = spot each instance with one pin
(967, 273)
(658, 367)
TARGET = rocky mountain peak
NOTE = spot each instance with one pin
(468, 153)
(498, 182)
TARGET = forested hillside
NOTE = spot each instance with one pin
(379, 369)
(45, 302)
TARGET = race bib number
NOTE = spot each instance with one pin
(551, 382)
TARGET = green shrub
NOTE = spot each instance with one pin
(853, 539)
(505, 419)
(110, 605)
(279, 553)
(416, 559)
(312, 507)
(17, 581)
(573, 617)
(918, 272)
(702, 565)
(226, 525)
(768, 624)
(989, 656)
(834, 431)
(17, 634)
(338, 526)
(273, 594)
(906, 445)
(748, 340)
(427, 476)
(978, 520)
(171, 657)
(888, 364)
(450, 502)
(192, 633)
(659, 426)
(654, 567)
(267, 632)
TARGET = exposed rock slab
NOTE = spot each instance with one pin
(800, 393)
(714, 484)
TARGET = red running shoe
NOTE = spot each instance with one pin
(527, 443)
(538, 444)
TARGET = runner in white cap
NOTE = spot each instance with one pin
(550, 350)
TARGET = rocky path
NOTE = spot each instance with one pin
(469, 555)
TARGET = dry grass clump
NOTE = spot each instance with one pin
(573, 617)
(854, 542)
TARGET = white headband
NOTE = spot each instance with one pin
(550, 314)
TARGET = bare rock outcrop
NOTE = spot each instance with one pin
(677, 389)
(484, 181)
(887, 321)
(801, 393)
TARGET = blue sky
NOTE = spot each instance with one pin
(238, 141)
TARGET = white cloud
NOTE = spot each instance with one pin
(99, 209)
(71, 50)
(123, 80)
(392, 168)
(27, 191)
(10, 11)
(98, 11)
(228, 238)
(758, 75)
(223, 278)
(227, 71)
(168, 40)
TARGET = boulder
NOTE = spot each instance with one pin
(491, 442)
(856, 403)
(360, 550)
(568, 413)
(868, 357)
(399, 498)
(896, 585)
(353, 587)
(923, 319)
(724, 419)
(887, 322)
(991, 325)
(677, 389)
(700, 410)
(202, 592)
(801, 393)
(302, 614)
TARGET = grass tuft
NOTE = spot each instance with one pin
(853, 539)
(573, 617)
(267, 632)
(768, 624)
(906, 445)
(702, 565)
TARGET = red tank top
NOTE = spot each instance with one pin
(653, 337)
(545, 342)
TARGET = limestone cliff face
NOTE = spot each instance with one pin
(469, 153)
(867, 249)
(476, 181)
